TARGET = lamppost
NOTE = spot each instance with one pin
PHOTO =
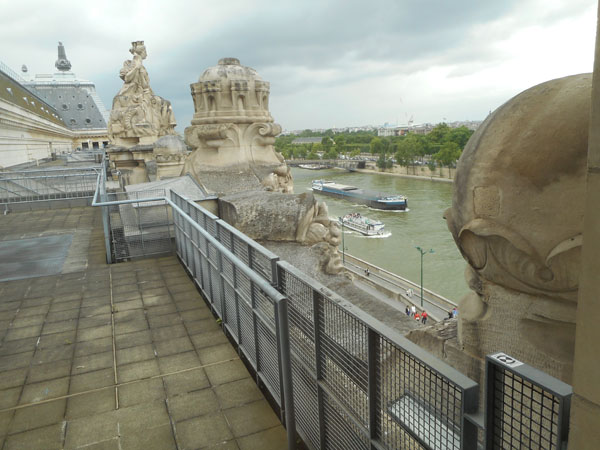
(423, 252)
(343, 244)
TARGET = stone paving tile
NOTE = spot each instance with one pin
(173, 346)
(216, 353)
(133, 339)
(193, 404)
(237, 393)
(91, 429)
(49, 371)
(93, 362)
(171, 332)
(135, 354)
(187, 381)
(18, 346)
(44, 390)
(180, 361)
(226, 372)
(13, 378)
(251, 418)
(138, 370)
(91, 380)
(38, 416)
(56, 339)
(89, 404)
(271, 439)
(141, 392)
(203, 431)
(46, 438)
(160, 437)
(95, 346)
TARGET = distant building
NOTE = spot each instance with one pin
(393, 131)
(47, 114)
(76, 102)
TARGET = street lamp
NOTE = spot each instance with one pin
(343, 243)
(423, 252)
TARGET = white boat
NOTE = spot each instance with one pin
(312, 166)
(362, 224)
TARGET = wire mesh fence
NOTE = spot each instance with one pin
(526, 408)
(356, 383)
(50, 184)
(373, 387)
(139, 229)
(249, 311)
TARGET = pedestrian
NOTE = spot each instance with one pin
(413, 310)
(424, 317)
(407, 311)
(449, 314)
(367, 271)
(454, 312)
(417, 317)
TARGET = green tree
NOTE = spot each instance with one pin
(448, 154)
(384, 163)
(459, 136)
(340, 143)
(354, 153)
(326, 142)
(313, 155)
(376, 146)
(300, 152)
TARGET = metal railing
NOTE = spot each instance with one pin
(251, 309)
(22, 186)
(526, 408)
(341, 378)
(359, 384)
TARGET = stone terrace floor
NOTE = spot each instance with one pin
(122, 356)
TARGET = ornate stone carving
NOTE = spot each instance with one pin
(138, 116)
(517, 218)
(232, 128)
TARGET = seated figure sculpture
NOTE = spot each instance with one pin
(517, 218)
(138, 116)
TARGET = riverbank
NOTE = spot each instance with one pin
(444, 174)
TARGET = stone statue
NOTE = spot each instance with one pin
(233, 131)
(138, 116)
(232, 135)
(517, 218)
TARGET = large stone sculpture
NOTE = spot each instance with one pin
(517, 218)
(138, 116)
(233, 131)
(232, 135)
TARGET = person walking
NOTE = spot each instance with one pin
(413, 310)
(417, 317)
(407, 311)
(424, 317)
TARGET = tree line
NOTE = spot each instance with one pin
(443, 145)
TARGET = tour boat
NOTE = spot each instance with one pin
(360, 196)
(362, 224)
(312, 166)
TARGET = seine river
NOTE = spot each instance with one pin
(422, 225)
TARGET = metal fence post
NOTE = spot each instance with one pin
(317, 307)
(286, 369)
(373, 360)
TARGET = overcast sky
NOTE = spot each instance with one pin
(331, 63)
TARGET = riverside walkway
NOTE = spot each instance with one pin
(392, 288)
(122, 356)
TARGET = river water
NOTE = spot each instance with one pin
(422, 225)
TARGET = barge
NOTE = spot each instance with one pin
(360, 196)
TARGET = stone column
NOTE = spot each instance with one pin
(585, 408)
